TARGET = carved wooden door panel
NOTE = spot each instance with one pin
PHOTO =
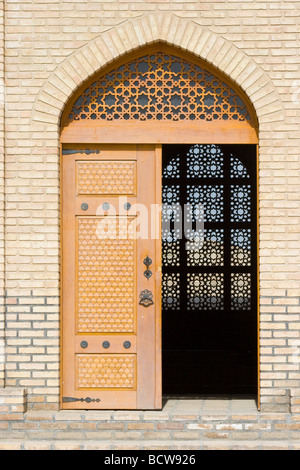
(111, 275)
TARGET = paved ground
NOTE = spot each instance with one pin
(182, 424)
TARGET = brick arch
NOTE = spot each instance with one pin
(170, 29)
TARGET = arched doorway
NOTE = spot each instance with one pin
(209, 291)
(120, 135)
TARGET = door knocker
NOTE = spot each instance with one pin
(146, 297)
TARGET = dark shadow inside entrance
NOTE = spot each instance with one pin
(209, 291)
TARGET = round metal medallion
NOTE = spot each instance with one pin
(105, 206)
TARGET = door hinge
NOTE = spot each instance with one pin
(87, 400)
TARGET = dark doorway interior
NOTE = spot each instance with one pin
(209, 293)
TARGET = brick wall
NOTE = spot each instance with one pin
(2, 152)
(279, 344)
(32, 348)
(256, 43)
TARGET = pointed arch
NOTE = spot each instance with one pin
(146, 30)
(162, 91)
(160, 85)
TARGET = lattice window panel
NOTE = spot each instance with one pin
(171, 212)
(171, 253)
(211, 181)
(241, 291)
(171, 291)
(170, 194)
(205, 291)
(241, 203)
(212, 251)
(159, 87)
(241, 247)
(210, 197)
(172, 170)
(237, 168)
(205, 161)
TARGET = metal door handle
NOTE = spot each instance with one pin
(147, 263)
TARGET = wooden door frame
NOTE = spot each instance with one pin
(158, 133)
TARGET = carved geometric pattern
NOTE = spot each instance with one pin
(105, 279)
(241, 203)
(171, 291)
(205, 291)
(240, 291)
(171, 194)
(171, 212)
(106, 371)
(241, 247)
(237, 168)
(106, 177)
(159, 87)
(212, 251)
(205, 161)
(194, 222)
(210, 197)
(171, 253)
(172, 170)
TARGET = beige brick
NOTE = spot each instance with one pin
(188, 35)
(140, 426)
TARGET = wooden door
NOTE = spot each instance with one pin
(111, 277)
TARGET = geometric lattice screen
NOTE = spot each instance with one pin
(219, 275)
(160, 87)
